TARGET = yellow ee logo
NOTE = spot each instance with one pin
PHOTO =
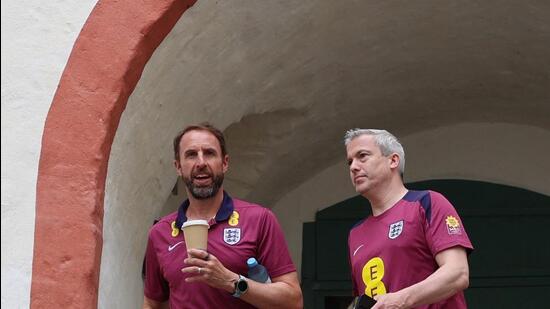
(175, 229)
(372, 274)
(234, 219)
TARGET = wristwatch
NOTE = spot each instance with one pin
(241, 286)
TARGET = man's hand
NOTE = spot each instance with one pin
(205, 267)
(389, 301)
(284, 291)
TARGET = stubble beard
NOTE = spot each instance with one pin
(204, 192)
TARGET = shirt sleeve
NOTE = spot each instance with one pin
(272, 248)
(154, 285)
(444, 228)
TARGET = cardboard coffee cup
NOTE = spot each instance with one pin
(195, 233)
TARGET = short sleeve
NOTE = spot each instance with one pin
(272, 248)
(155, 287)
(443, 227)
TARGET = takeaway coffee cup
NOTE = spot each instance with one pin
(195, 233)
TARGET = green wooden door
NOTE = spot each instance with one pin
(509, 228)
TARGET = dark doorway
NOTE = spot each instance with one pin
(509, 227)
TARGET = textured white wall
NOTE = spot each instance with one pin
(37, 37)
(499, 153)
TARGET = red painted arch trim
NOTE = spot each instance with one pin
(103, 69)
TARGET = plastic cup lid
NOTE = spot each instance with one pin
(195, 222)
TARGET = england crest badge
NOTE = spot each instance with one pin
(395, 229)
(232, 235)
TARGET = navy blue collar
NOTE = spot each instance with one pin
(226, 209)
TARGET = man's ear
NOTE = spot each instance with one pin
(394, 160)
(225, 163)
(177, 165)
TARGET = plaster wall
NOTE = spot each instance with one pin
(37, 37)
(493, 152)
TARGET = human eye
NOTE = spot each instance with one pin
(189, 154)
(210, 152)
(363, 155)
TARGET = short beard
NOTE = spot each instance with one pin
(202, 193)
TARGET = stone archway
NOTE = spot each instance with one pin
(105, 65)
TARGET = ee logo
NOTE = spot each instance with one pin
(372, 274)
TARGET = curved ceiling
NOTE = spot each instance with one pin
(286, 79)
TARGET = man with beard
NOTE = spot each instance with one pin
(238, 230)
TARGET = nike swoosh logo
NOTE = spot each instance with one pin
(357, 249)
(170, 248)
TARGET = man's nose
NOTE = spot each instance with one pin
(200, 159)
(353, 167)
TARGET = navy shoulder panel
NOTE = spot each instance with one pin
(425, 201)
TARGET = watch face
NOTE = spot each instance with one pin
(242, 285)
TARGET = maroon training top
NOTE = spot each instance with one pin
(397, 249)
(239, 231)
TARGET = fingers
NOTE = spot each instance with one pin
(194, 270)
(196, 273)
(200, 254)
(200, 264)
(204, 267)
(196, 262)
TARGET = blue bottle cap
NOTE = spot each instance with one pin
(251, 262)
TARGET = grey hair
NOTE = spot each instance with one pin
(387, 142)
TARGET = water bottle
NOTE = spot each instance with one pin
(257, 272)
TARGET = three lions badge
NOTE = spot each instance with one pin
(232, 235)
(395, 229)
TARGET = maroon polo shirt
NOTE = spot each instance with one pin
(239, 231)
(397, 249)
